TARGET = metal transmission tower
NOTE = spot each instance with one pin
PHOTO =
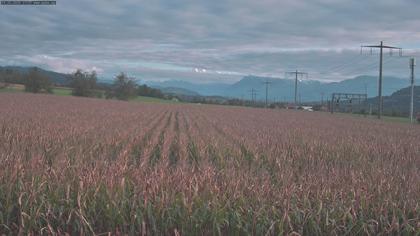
(346, 98)
(412, 65)
(253, 93)
(381, 48)
(296, 73)
(266, 92)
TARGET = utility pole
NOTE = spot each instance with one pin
(266, 92)
(366, 88)
(322, 98)
(255, 96)
(412, 65)
(381, 49)
(297, 73)
(366, 92)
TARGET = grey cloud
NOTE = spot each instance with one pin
(265, 37)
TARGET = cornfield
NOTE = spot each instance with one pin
(87, 166)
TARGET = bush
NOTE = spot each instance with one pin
(147, 91)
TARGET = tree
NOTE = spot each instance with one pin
(84, 84)
(36, 82)
(123, 88)
(3, 83)
(10, 76)
(144, 90)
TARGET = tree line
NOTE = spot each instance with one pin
(82, 83)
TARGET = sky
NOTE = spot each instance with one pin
(206, 41)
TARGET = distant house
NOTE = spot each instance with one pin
(306, 108)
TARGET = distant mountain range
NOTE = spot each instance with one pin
(283, 89)
(177, 91)
(209, 89)
(279, 89)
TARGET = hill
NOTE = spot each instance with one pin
(398, 103)
(57, 78)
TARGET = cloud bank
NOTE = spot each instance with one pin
(209, 41)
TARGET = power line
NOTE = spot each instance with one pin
(350, 62)
(357, 66)
(373, 65)
(369, 66)
(340, 67)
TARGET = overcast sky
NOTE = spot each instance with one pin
(210, 40)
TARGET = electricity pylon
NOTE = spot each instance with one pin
(296, 73)
(266, 92)
(381, 48)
